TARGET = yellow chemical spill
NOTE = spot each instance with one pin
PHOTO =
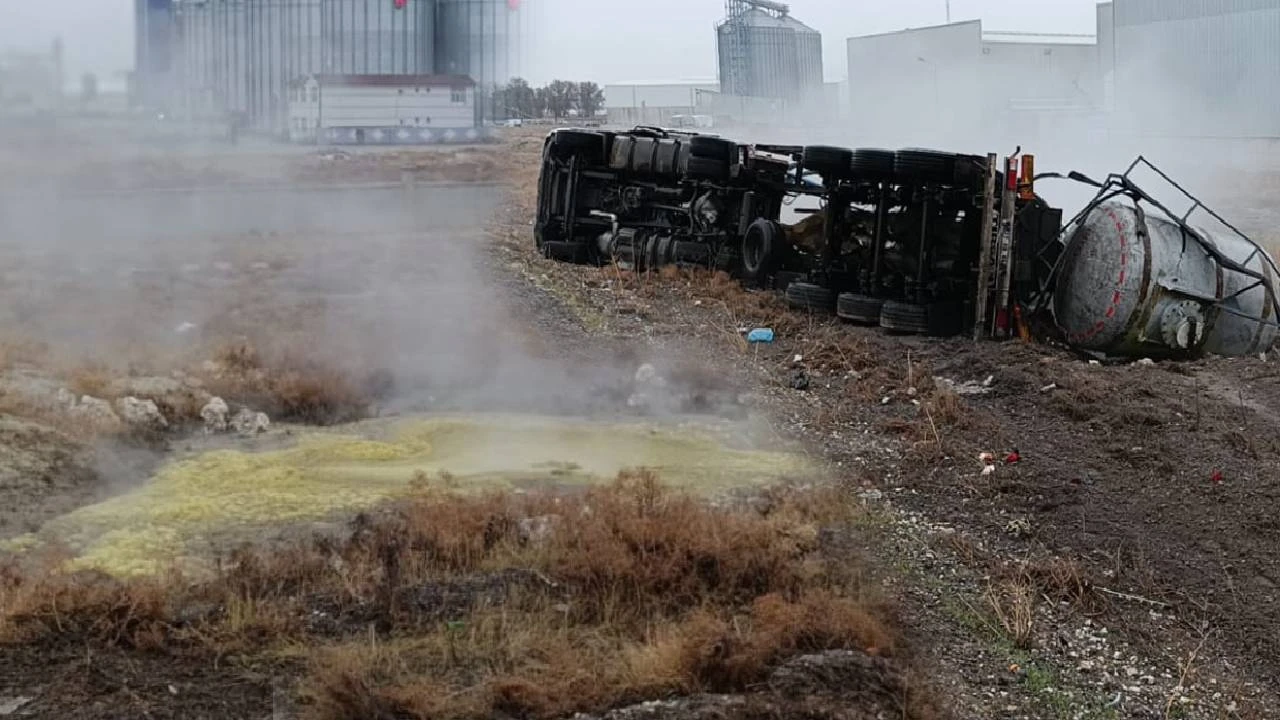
(222, 495)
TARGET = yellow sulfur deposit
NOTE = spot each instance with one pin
(222, 495)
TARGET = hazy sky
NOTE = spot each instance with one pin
(601, 40)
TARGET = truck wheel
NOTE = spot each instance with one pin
(861, 309)
(906, 318)
(872, 164)
(712, 148)
(760, 247)
(827, 160)
(925, 166)
(590, 145)
(807, 296)
(570, 252)
(701, 168)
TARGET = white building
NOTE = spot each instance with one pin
(383, 109)
(655, 103)
(963, 83)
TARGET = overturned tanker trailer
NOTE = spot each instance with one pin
(980, 249)
(1135, 279)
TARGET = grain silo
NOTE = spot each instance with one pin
(764, 52)
(475, 38)
(205, 57)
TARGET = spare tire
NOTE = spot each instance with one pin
(827, 160)
(807, 296)
(761, 246)
(872, 164)
(713, 148)
(701, 168)
(862, 309)
(925, 165)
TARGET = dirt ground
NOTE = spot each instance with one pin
(1123, 559)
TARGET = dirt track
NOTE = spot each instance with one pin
(1118, 471)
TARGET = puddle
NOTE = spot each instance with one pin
(212, 495)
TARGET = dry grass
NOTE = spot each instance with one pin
(451, 607)
(289, 386)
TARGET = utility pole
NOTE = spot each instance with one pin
(948, 12)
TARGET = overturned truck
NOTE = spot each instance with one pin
(915, 240)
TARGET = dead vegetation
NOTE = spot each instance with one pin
(530, 606)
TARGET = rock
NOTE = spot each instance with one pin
(11, 705)
(66, 399)
(96, 413)
(249, 423)
(214, 414)
(646, 374)
(142, 414)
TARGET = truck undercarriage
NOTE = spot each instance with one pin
(916, 241)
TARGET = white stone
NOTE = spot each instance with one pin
(249, 423)
(141, 413)
(214, 415)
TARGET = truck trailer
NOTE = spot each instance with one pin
(915, 240)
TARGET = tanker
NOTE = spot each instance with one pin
(1134, 283)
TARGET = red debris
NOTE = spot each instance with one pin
(1216, 477)
(1012, 458)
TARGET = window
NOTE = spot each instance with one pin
(315, 93)
(458, 96)
(417, 121)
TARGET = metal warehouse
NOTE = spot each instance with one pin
(1197, 68)
(970, 84)
(655, 103)
(240, 57)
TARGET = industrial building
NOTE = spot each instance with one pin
(655, 103)
(764, 52)
(1194, 68)
(382, 109)
(239, 58)
(967, 83)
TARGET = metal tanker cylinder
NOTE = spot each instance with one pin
(1131, 284)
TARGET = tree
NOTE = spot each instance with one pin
(519, 99)
(561, 97)
(590, 98)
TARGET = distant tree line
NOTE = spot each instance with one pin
(558, 99)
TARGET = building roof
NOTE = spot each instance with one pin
(396, 80)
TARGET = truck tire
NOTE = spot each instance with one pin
(920, 165)
(827, 160)
(590, 145)
(861, 309)
(872, 164)
(569, 252)
(761, 246)
(905, 318)
(712, 148)
(807, 296)
(701, 168)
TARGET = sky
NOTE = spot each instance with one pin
(607, 41)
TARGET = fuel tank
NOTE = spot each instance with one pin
(1131, 284)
